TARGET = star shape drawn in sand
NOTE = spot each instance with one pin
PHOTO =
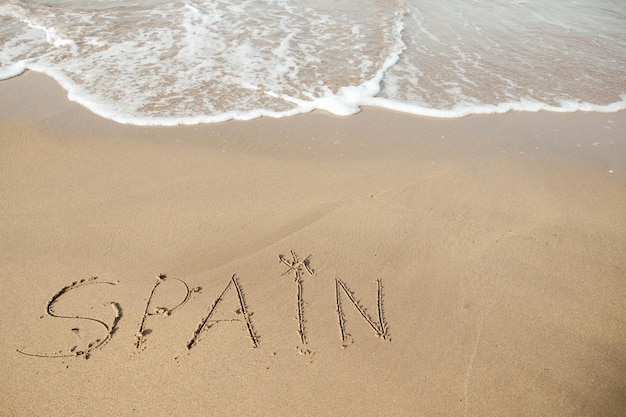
(296, 265)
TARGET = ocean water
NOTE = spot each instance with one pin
(201, 61)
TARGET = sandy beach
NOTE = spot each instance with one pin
(374, 265)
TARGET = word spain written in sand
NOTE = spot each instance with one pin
(296, 267)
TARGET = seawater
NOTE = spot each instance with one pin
(201, 61)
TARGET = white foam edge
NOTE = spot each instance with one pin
(347, 101)
(523, 105)
(78, 95)
(12, 70)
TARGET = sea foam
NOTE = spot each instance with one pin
(170, 63)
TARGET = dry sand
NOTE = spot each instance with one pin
(487, 254)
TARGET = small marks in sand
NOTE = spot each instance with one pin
(164, 312)
(298, 267)
(208, 321)
(379, 325)
(110, 328)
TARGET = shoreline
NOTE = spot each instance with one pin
(488, 251)
(37, 100)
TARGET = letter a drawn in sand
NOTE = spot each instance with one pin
(208, 321)
(298, 267)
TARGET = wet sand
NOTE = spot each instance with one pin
(380, 264)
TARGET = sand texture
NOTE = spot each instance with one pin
(375, 265)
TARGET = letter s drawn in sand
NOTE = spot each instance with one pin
(98, 343)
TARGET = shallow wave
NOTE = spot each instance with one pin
(204, 61)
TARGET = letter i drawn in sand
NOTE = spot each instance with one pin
(298, 268)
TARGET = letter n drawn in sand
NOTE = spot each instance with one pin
(208, 321)
(379, 326)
